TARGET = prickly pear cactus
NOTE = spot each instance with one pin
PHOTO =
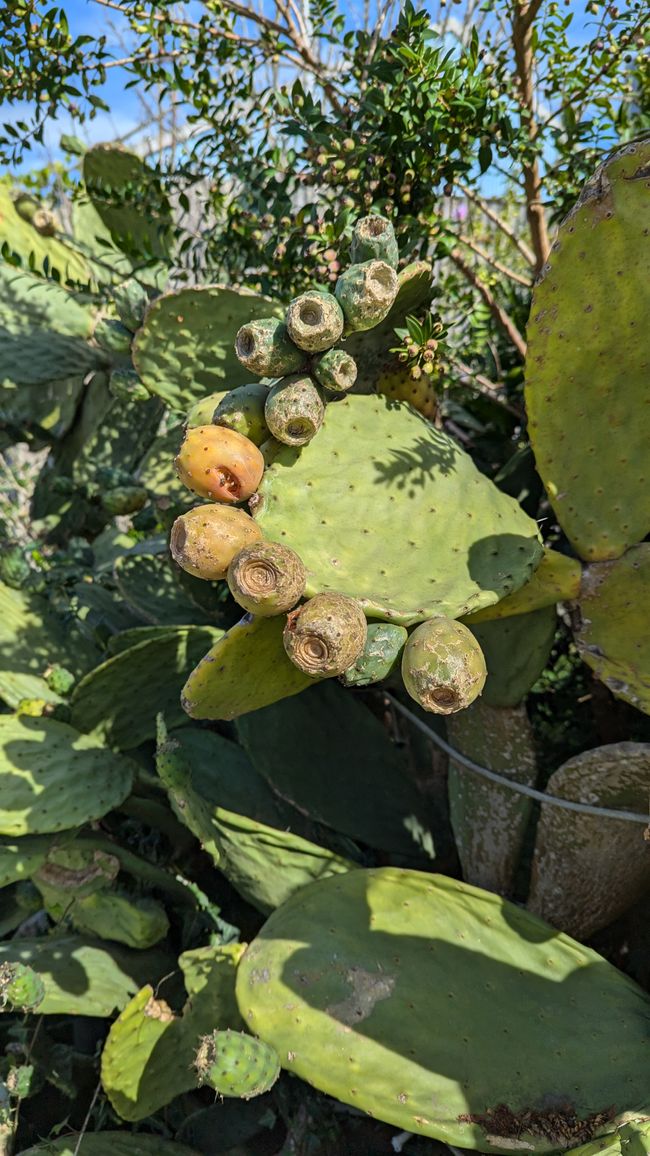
(235, 1064)
(406, 981)
(586, 369)
(109, 1144)
(20, 987)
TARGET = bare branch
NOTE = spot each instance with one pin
(493, 216)
(487, 257)
(523, 16)
(499, 314)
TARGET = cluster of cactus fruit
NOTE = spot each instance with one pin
(303, 367)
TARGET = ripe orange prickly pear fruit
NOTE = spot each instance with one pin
(326, 635)
(219, 463)
(205, 540)
(397, 384)
(443, 667)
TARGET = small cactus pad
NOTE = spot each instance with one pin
(109, 1144)
(315, 321)
(556, 579)
(294, 410)
(219, 463)
(236, 1064)
(366, 294)
(587, 871)
(489, 821)
(374, 239)
(613, 638)
(371, 506)
(247, 669)
(443, 667)
(325, 635)
(446, 1011)
(20, 986)
(205, 540)
(587, 385)
(54, 778)
(186, 344)
(379, 657)
(125, 193)
(265, 348)
(266, 578)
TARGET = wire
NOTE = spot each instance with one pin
(521, 788)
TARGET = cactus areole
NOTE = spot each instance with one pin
(448, 1012)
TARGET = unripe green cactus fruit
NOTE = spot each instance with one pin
(294, 410)
(266, 578)
(374, 239)
(266, 348)
(124, 500)
(236, 1064)
(126, 385)
(205, 540)
(203, 411)
(242, 409)
(219, 464)
(379, 657)
(335, 370)
(326, 635)
(366, 293)
(443, 666)
(20, 986)
(315, 321)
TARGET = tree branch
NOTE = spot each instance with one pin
(499, 314)
(490, 213)
(490, 260)
(523, 16)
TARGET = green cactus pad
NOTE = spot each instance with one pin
(185, 347)
(587, 871)
(489, 821)
(54, 778)
(236, 1064)
(246, 669)
(556, 579)
(149, 675)
(147, 1058)
(149, 585)
(613, 638)
(137, 922)
(125, 194)
(29, 245)
(20, 858)
(371, 507)
(326, 753)
(631, 1138)
(109, 1144)
(448, 1012)
(83, 977)
(516, 651)
(587, 389)
(379, 657)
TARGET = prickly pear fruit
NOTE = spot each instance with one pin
(242, 409)
(219, 463)
(124, 500)
(205, 540)
(203, 411)
(374, 239)
(379, 657)
(335, 370)
(443, 667)
(265, 348)
(294, 410)
(326, 635)
(20, 986)
(112, 336)
(315, 321)
(366, 293)
(236, 1064)
(131, 300)
(126, 385)
(266, 579)
(397, 384)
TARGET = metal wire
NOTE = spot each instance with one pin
(521, 788)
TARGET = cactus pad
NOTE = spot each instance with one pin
(236, 1064)
(55, 778)
(556, 579)
(185, 347)
(371, 507)
(516, 651)
(448, 1012)
(587, 388)
(613, 638)
(109, 1144)
(587, 871)
(246, 669)
(124, 193)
